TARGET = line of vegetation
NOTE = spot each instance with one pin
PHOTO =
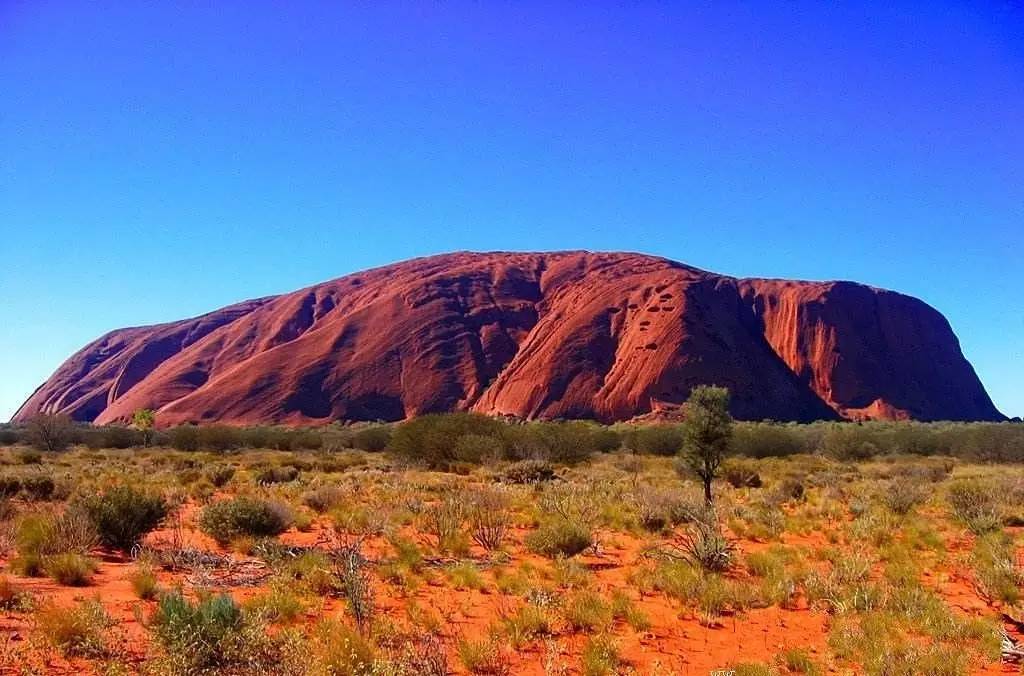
(460, 440)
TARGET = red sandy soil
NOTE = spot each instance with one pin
(607, 336)
(677, 643)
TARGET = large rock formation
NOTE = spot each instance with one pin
(546, 335)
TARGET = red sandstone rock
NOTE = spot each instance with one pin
(573, 334)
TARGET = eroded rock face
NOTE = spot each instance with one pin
(553, 335)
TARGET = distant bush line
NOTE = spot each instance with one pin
(451, 441)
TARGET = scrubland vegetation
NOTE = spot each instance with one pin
(464, 544)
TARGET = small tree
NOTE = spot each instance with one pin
(50, 431)
(707, 429)
(144, 420)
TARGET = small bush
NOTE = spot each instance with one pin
(28, 456)
(600, 656)
(144, 582)
(219, 437)
(432, 440)
(124, 514)
(184, 437)
(10, 486)
(38, 487)
(42, 536)
(529, 622)
(372, 439)
(903, 494)
(657, 439)
(80, 631)
(243, 516)
(213, 636)
(50, 432)
(586, 611)
(799, 661)
(220, 475)
(444, 521)
(528, 472)
(559, 537)
(324, 498)
(351, 571)
(465, 575)
(483, 656)
(71, 569)
(974, 503)
(704, 545)
(200, 637)
(489, 518)
(660, 508)
(790, 489)
(999, 578)
(343, 651)
(13, 599)
(277, 475)
(741, 474)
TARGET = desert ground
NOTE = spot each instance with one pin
(486, 548)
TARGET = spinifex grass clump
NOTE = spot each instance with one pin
(560, 537)
(80, 631)
(243, 516)
(57, 545)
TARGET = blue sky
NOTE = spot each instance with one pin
(159, 162)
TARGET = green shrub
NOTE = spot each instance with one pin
(528, 472)
(999, 578)
(974, 503)
(560, 537)
(70, 569)
(432, 440)
(184, 437)
(656, 439)
(80, 631)
(38, 487)
(586, 611)
(799, 661)
(343, 651)
(219, 437)
(213, 635)
(903, 494)
(144, 582)
(478, 448)
(111, 436)
(767, 440)
(373, 439)
(41, 536)
(704, 545)
(28, 456)
(560, 442)
(243, 516)
(600, 656)
(277, 475)
(482, 656)
(10, 486)
(124, 514)
(220, 475)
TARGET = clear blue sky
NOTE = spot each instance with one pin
(159, 162)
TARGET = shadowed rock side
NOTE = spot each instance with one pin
(554, 335)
